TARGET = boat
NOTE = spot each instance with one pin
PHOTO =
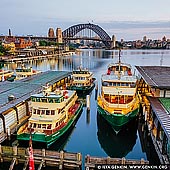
(25, 72)
(5, 74)
(118, 102)
(82, 81)
(52, 115)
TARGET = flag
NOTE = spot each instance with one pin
(31, 157)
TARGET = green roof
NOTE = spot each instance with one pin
(166, 103)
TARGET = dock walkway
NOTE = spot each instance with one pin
(61, 160)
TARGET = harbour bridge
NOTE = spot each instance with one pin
(73, 33)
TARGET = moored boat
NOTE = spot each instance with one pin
(5, 74)
(118, 102)
(82, 81)
(53, 114)
(25, 72)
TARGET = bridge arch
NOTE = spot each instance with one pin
(73, 30)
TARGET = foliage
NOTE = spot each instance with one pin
(47, 43)
(3, 50)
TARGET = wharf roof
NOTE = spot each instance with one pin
(162, 114)
(23, 89)
(156, 76)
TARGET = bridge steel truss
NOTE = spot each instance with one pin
(73, 30)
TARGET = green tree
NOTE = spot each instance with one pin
(3, 50)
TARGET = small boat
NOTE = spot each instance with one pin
(5, 74)
(53, 114)
(118, 102)
(24, 72)
(82, 81)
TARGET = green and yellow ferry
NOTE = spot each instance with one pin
(118, 102)
(52, 115)
(82, 81)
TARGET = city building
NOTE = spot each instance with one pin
(22, 43)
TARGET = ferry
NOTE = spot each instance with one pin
(24, 72)
(82, 81)
(52, 115)
(118, 102)
(5, 74)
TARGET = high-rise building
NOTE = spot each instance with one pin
(51, 33)
(59, 35)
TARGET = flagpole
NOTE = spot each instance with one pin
(31, 157)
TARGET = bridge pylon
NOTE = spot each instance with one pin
(113, 42)
(59, 37)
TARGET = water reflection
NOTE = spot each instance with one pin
(116, 145)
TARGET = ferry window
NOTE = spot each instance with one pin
(42, 112)
(43, 126)
(39, 125)
(33, 99)
(50, 100)
(44, 100)
(49, 126)
(56, 124)
(37, 99)
(132, 85)
(56, 100)
(123, 84)
(104, 83)
(34, 125)
(118, 84)
(34, 111)
(52, 112)
(38, 112)
(47, 112)
(114, 84)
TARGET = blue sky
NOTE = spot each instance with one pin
(127, 19)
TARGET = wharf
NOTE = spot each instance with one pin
(42, 158)
(9, 59)
(92, 162)
(154, 90)
(15, 112)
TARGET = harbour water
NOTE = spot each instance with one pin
(91, 134)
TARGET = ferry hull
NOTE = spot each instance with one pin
(50, 139)
(117, 121)
(83, 89)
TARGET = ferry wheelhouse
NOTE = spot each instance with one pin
(118, 102)
(53, 114)
(82, 81)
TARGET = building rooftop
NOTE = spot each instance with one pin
(155, 76)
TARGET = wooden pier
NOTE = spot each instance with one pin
(42, 158)
(92, 162)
